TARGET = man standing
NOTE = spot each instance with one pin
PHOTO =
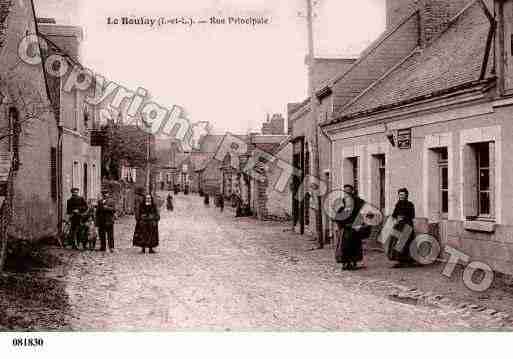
(76, 207)
(105, 221)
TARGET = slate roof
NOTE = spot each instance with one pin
(391, 47)
(451, 61)
(374, 62)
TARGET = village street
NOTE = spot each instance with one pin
(216, 272)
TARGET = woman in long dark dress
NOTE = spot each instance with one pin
(404, 214)
(349, 250)
(147, 229)
(169, 202)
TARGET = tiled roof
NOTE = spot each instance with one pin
(5, 8)
(198, 159)
(210, 143)
(454, 59)
(205, 163)
(283, 144)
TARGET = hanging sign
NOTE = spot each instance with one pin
(404, 138)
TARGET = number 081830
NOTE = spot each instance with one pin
(28, 342)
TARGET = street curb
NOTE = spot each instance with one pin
(430, 298)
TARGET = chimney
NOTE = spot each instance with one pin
(277, 124)
(398, 10)
(434, 14)
(67, 38)
(504, 46)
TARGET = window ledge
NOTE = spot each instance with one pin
(479, 226)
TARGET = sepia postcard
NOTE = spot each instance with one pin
(171, 170)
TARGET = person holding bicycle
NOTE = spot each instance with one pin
(76, 208)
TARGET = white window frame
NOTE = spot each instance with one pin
(491, 189)
(359, 153)
(431, 143)
(373, 150)
(478, 135)
(76, 178)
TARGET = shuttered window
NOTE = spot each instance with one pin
(479, 180)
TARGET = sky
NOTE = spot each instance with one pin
(228, 75)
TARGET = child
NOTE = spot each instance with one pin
(92, 233)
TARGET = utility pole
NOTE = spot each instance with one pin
(148, 164)
(314, 142)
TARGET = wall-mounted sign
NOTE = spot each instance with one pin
(404, 139)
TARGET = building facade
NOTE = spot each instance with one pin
(29, 135)
(438, 124)
(80, 162)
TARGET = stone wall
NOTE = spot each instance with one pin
(34, 208)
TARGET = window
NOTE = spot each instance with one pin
(355, 173)
(94, 180)
(483, 181)
(75, 180)
(381, 178)
(86, 119)
(307, 160)
(479, 180)
(85, 178)
(443, 172)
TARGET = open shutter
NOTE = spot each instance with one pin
(470, 194)
(491, 149)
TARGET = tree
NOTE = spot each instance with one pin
(123, 143)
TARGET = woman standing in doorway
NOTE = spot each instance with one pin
(147, 227)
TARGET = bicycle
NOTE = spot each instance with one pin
(66, 239)
(65, 235)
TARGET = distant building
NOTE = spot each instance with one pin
(274, 125)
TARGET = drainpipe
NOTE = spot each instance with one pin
(60, 187)
(329, 185)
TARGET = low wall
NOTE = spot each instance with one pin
(493, 248)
